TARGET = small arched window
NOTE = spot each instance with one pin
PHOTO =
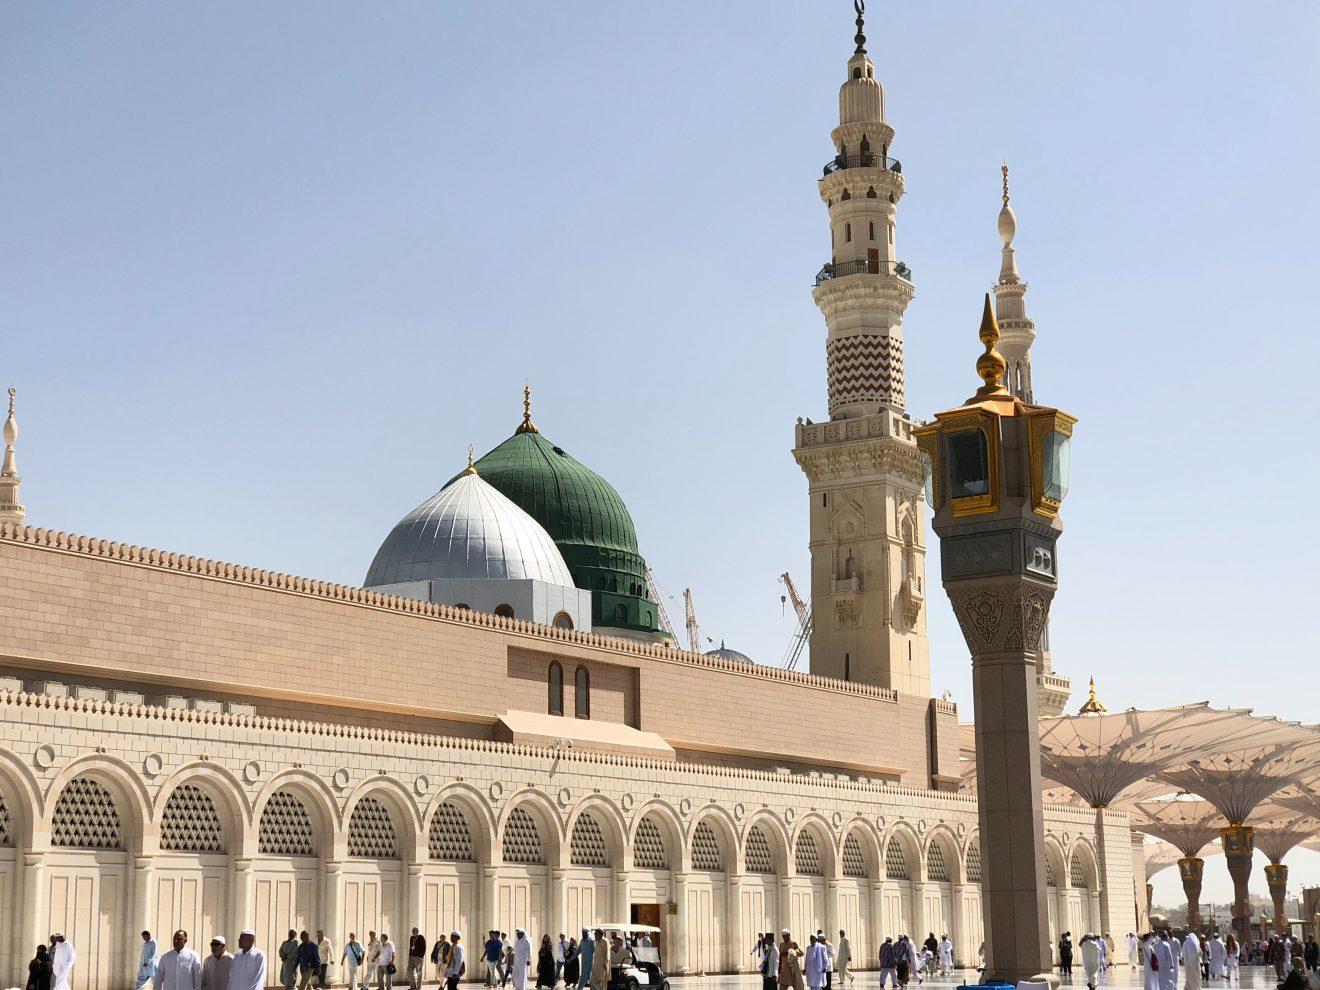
(846, 195)
(562, 621)
(614, 584)
(582, 693)
(870, 194)
(872, 229)
(857, 73)
(620, 612)
(464, 606)
(847, 232)
(555, 685)
(504, 611)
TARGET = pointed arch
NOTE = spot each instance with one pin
(612, 830)
(859, 852)
(279, 823)
(22, 796)
(512, 834)
(656, 820)
(941, 861)
(723, 831)
(1082, 864)
(902, 853)
(226, 794)
(476, 814)
(814, 830)
(132, 803)
(775, 835)
(403, 817)
(1054, 862)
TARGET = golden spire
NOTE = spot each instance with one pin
(990, 365)
(12, 392)
(1004, 168)
(1092, 706)
(471, 468)
(527, 426)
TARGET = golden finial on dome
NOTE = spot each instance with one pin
(1092, 706)
(1004, 168)
(527, 426)
(471, 467)
(12, 392)
(990, 365)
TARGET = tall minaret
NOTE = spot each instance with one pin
(11, 510)
(1016, 331)
(867, 517)
(1016, 336)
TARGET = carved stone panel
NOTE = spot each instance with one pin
(1001, 614)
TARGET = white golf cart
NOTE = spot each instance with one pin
(641, 966)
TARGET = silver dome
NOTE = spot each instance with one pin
(727, 654)
(468, 530)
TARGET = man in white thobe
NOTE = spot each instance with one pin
(1164, 961)
(1132, 944)
(248, 970)
(522, 958)
(816, 964)
(216, 966)
(179, 968)
(1150, 963)
(62, 958)
(1191, 957)
(147, 961)
(946, 955)
(1218, 956)
(1090, 948)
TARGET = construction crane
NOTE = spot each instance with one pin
(693, 631)
(653, 589)
(803, 610)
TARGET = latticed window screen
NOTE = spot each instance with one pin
(759, 859)
(1076, 875)
(190, 822)
(1050, 879)
(649, 846)
(285, 828)
(371, 832)
(85, 817)
(450, 838)
(806, 857)
(705, 849)
(936, 868)
(974, 863)
(522, 839)
(6, 837)
(587, 844)
(854, 863)
(896, 867)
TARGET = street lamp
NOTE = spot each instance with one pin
(997, 474)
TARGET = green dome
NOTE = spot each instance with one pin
(585, 517)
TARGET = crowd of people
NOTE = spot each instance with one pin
(1204, 958)
(306, 962)
(785, 965)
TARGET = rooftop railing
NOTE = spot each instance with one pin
(863, 267)
(866, 160)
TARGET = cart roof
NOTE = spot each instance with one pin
(625, 929)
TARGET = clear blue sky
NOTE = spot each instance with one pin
(267, 269)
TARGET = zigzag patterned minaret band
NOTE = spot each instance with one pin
(864, 289)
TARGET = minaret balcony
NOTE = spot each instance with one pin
(867, 160)
(863, 266)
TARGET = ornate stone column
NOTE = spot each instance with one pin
(144, 883)
(831, 911)
(877, 918)
(1276, 875)
(34, 903)
(786, 909)
(415, 894)
(622, 898)
(1150, 899)
(681, 922)
(957, 915)
(1191, 869)
(332, 900)
(555, 908)
(244, 894)
(734, 942)
(1239, 843)
(490, 906)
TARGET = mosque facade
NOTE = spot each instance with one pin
(555, 760)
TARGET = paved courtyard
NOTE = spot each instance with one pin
(1253, 978)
